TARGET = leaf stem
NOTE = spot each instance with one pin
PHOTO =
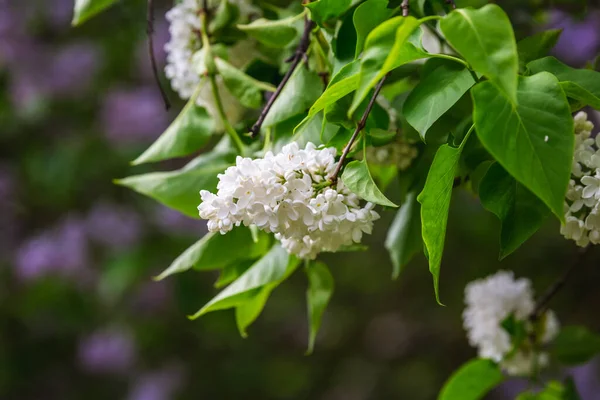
(211, 72)
(295, 59)
(228, 128)
(542, 303)
(452, 58)
(359, 127)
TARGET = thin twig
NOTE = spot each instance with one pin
(150, 34)
(405, 8)
(295, 59)
(359, 127)
(542, 303)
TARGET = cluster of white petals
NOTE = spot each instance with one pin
(288, 194)
(185, 41)
(185, 59)
(489, 302)
(399, 153)
(582, 203)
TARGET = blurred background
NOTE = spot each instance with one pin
(80, 316)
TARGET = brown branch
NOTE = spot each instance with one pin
(359, 127)
(295, 59)
(542, 303)
(150, 34)
(405, 8)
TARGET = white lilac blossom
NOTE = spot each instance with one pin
(489, 303)
(582, 202)
(289, 195)
(185, 59)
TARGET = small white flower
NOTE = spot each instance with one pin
(278, 194)
(491, 301)
(582, 224)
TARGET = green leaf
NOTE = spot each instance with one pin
(485, 38)
(342, 84)
(536, 46)
(86, 9)
(319, 292)
(387, 47)
(519, 210)
(247, 312)
(575, 345)
(231, 272)
(579, 84)
(215, 251)
(225, 15)
(403, 239)
(532, 140)
(436, 94)
(358, 179)
(246, 89)
(472, 381)
(277, 33)
(301, 91)
(179, 189)
(554, 390)
(366, 17)
(435, 204)
(323, 11)
(192, 128)
(272, 268)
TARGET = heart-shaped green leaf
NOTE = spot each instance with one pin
(86, 9)
(403, 239)
(179, 189)
(472, 381)
(532, 140)
(246, 89)
(215, 251)
(358, 179)
(320, 290)
(519, 210)
(435, 204)
(485, 38)
(366, 17)
(436, 94)
(271, 268)
(192, 128)
(582, 85)
(273, 33)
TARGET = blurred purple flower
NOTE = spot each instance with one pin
(133, 115)
(62, 250)
(107, 351)
(175, 223)
(510, 389)
(158, 385)
(580, 39)
(59, 13)
(113, 226)
(586, 379)
(72, 69)
(152, 297)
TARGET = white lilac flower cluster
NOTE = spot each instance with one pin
(582, 202)
(185, 59)
(490, 302)
(288, 194)
(399, 153)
